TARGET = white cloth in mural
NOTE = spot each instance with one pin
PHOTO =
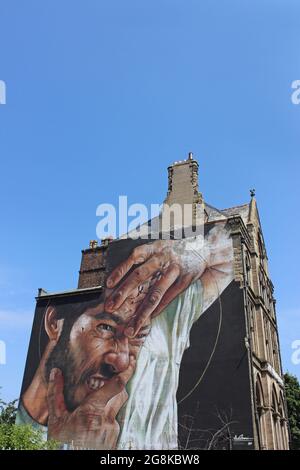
(150, 415)
(148, 420)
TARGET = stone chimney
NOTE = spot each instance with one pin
(183, 185)
(182, 189)
(92, 268)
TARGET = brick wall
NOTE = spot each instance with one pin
(92, 268)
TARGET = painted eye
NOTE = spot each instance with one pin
(105, 327)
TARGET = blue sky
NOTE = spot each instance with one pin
(103, 96)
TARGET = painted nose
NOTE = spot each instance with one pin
(118, 359)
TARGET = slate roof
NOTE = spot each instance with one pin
(222, 214)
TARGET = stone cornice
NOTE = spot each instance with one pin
(238, 227)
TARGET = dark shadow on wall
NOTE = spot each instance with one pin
(220, 406)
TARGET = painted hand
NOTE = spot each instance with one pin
(93, 424)
(170, 266)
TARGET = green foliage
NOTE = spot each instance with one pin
(19, 437)
(292, 388)
(8, 412)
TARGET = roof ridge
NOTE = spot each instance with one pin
(233, 207)
(213, 207)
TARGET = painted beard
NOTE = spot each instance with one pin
(76, 388)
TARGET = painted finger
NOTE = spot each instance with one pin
(127, 374)
(55, 395)
(153, 299)
(101, 397)
(112, 388)
(138, 276)
(115, 404)
(178, 288)
(139, 255)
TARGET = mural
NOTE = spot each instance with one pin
(127, 365)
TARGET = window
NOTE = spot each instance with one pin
(260, 412)
(248, 270)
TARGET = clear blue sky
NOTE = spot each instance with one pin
(103, 95)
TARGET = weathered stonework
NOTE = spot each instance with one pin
(183, 185)
(251, 271)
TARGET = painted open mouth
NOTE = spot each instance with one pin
(95, 382)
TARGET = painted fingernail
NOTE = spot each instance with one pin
(53, 374)
(129, 331)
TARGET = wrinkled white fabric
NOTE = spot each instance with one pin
(149, 418)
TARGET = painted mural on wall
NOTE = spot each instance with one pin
(104, 368)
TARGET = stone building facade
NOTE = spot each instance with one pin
(269, 415)
(251, 271)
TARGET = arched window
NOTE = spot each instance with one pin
(260, 283)
(275, 416)
(248, 270)
(272, 306)
(283, 427)
(263, 289)
(260, 247)
(268, 342)
(260, 412)
(259, 398)
(262, 251)
(275, 350)
(254, 328)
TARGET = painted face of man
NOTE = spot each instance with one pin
(95, 351)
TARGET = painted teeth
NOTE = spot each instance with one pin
(95, 383)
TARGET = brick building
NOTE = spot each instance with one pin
(258, 314)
